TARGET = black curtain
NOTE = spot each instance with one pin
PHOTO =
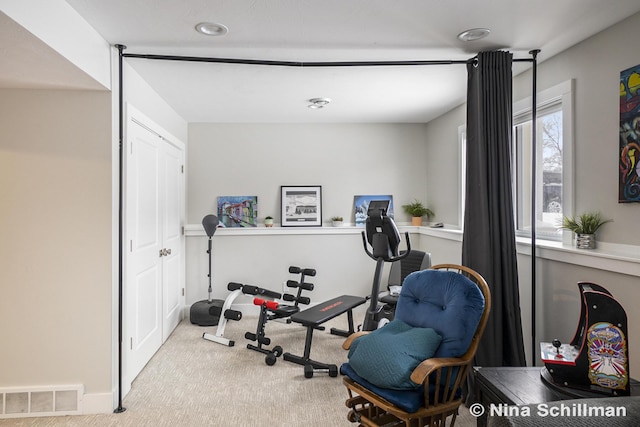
(488, 244)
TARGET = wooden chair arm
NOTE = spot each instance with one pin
(347, 343)
(427, 367)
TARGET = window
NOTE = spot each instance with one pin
(553, 183)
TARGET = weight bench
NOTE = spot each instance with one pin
(312, 318)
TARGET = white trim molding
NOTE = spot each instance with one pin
(618, 258)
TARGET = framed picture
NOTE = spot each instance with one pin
(238, 211)
(361, 205)
(301, 206)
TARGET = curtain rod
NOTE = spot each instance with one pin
(302, 64)
(122, 55)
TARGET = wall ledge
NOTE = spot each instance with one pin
(618, 258)
(614, 257)
(197, 230)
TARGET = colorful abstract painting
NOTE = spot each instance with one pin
(238, 211)
(629, 164)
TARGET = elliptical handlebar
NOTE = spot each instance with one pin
(392, 258)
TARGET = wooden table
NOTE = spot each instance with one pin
(522, 386)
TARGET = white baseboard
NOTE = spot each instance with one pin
(97, 403)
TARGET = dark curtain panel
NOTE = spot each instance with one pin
(488, 244)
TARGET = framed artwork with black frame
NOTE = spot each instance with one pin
(301, 205)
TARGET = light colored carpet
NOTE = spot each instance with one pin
(195, 382)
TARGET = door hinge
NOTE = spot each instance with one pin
(182, 291)
(131, 340)
(130, 245)
(182, 168)
(183, 230)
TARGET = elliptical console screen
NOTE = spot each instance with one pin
(378, 207)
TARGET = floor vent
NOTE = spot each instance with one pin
(40, 401)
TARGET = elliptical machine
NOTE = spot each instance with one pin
(384, 238)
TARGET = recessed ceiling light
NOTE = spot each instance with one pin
(211, 29)
(318, 102)
(474, 34)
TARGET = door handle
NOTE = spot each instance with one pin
(167, 251)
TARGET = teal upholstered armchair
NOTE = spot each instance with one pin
(410, 372)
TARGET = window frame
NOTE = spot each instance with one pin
(462, 190)
(556, 98)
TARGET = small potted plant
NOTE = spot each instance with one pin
(268, 221)
(337, 221)
(585, 227)
(417, 210)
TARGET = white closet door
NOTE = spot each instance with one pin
(172, 280)
(154, 282)
(143, 286)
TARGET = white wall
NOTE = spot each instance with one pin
(256, 159)
(263, 260)
(57, 175)
(58, 25)
(55, 229)
(57, 169)
(138, 93)
(346, 159)
(595, 65)
(443, 165)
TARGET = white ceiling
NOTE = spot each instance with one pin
(311, 31)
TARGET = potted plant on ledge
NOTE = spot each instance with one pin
(268, 221)
(337, 221)
(585, 227)
(417, 210)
